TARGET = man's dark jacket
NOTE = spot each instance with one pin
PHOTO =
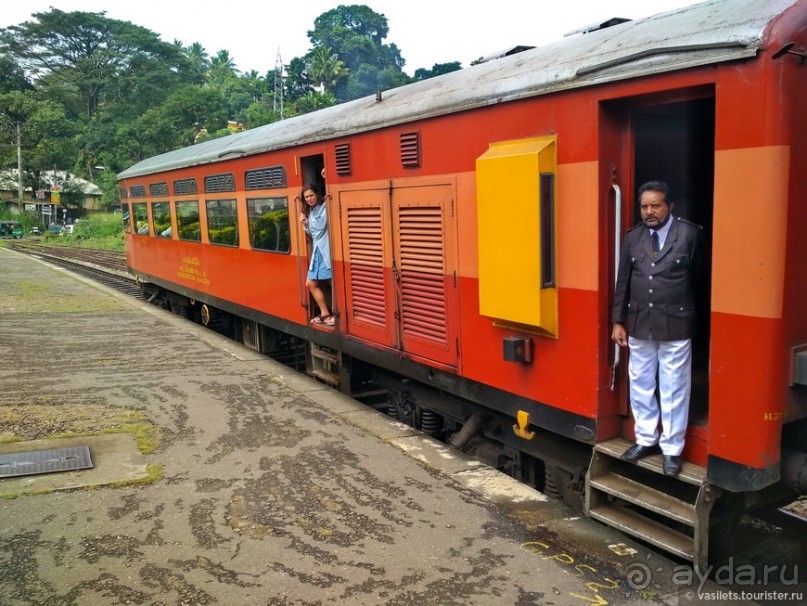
(655, 295)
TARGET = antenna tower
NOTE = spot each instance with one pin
(278, 101)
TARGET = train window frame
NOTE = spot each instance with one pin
(218, 221)
(140, 214)
(126, 217)
(182, 223)
(278, 203)
(158, 214)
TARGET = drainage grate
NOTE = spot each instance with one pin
(45, 461)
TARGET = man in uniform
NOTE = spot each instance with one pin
(654, 315)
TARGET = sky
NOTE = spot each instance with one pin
(425, 31)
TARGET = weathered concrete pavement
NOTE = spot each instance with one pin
(274, 490)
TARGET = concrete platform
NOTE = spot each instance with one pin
(274, 489)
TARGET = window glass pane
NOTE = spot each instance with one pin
(161, 219)
(127, 223)
(222, 223)
(188, 221)
(141, 217)
(547, 230)
(269, 224)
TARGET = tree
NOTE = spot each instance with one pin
(48, 137)
(12, 77)
(325, 68)
(198, 62)
(437, 69)
(297, 82)
(77, 58)
(354, 34)
(314, 101)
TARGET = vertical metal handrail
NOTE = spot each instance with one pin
(617, 250)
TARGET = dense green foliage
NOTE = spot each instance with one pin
(93, 95)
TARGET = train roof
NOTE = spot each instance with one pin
(706, 33)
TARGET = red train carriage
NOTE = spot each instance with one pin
(474, 221)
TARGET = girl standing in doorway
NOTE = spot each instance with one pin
(314, 218)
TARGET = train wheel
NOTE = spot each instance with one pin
(207, 315)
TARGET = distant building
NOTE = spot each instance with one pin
(58, 181)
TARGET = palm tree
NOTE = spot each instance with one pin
(326, 68)
(198, 58)
(223, 60)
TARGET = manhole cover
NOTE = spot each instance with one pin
(45, 461)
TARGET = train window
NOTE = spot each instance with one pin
(269, 224)
(123, 193)
(127, 223)
(547, 202)
(141, 217)
(188, 221)
(222, 222)
(138, 191)
(161, 219)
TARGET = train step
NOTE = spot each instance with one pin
(324, 364)
(325, 376)
(671, 513)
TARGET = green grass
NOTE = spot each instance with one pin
(94, 230)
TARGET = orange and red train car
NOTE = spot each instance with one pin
(474, 221)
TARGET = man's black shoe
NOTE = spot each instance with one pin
(671, 465)
(636, 452)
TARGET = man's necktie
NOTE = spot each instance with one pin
(654, 240)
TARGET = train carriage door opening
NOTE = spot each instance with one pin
(674, 142)
(312, 169)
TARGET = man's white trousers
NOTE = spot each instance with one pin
(672, 361)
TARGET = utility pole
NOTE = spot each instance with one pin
(19, 165)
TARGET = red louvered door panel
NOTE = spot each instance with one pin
(400, 269)
(425, 272)
(367, 253)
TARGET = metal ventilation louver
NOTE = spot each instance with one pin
(137, 191)
(185, 187)
(219, 183)
(343, 159)
(410, 149)
(158, 190)
(272, 177)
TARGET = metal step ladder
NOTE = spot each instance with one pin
(671, 513)
(325, 364)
